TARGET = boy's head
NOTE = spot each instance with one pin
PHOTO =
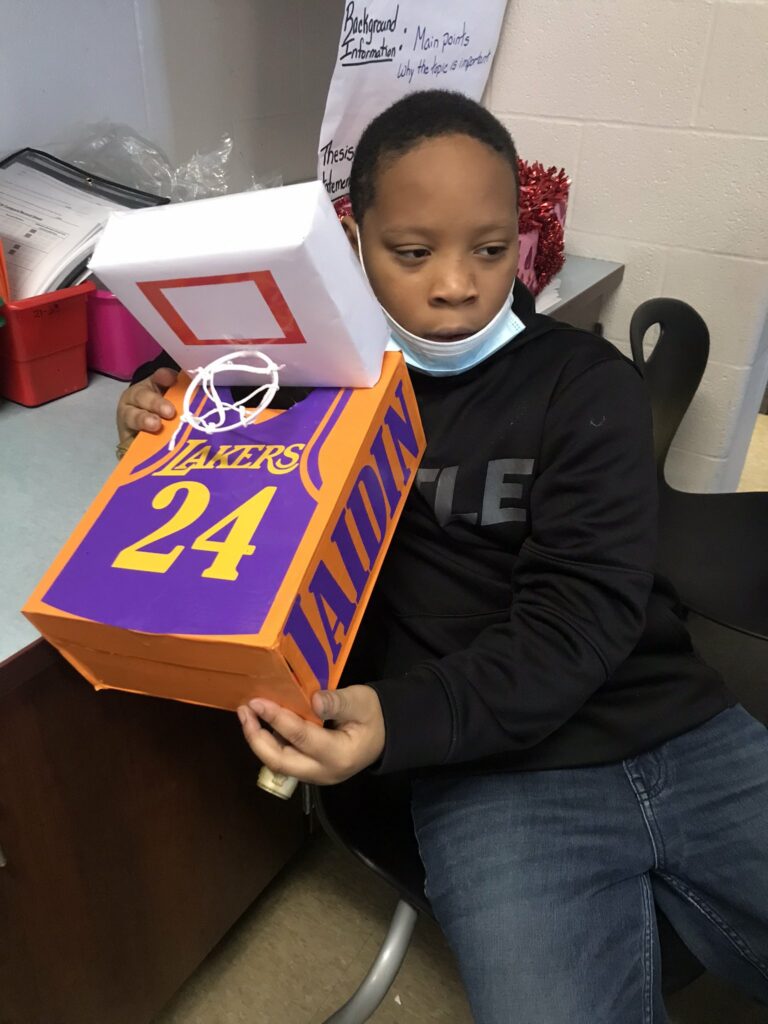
(434, 197)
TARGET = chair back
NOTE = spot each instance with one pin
(674, 369)
(741, 658)
(370, 816)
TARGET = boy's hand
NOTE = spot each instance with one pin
(142, 406)
(309, 752)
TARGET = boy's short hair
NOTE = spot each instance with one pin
(422, 115)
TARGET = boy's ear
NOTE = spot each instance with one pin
(350, 230)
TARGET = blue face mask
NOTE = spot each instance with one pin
(448, 358)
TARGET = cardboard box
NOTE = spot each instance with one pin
(270, 269)
(237, 565)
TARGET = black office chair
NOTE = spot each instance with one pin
(674, 369)
(712, 546)
(370, 816)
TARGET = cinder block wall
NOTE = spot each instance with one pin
(658, 109)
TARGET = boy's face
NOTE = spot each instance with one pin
(440, 239)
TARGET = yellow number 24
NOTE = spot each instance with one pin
(234, 545)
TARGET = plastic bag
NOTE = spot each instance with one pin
(204, 174)
(118, 153)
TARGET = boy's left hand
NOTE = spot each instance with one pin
(308, 751)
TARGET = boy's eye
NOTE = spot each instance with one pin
(492, 250)
(416, 252)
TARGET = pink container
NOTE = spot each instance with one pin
(117, 343)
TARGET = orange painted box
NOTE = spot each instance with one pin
(237, 565)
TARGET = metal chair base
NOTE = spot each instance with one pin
(379, 978)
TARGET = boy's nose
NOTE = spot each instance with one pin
(453, 285)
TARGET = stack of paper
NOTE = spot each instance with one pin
(51, 215)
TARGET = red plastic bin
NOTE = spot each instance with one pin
(42, 346)
(117, 343)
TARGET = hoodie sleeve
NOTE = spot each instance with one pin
(580, 587)
(147, 369)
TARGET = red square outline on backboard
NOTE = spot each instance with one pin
(262, 279)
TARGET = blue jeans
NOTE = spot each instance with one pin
(545, 883)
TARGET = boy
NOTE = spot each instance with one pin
(572, 760)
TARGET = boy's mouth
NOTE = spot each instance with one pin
(450, 334)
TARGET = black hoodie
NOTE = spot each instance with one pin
(517, 623)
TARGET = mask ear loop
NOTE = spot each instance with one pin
(214, 420)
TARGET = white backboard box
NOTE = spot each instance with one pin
(270, 270)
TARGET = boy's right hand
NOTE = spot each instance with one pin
(142, 406)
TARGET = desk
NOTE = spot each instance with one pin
(132, 831)
(66, 449)
(584, 286)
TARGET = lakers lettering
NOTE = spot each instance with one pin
(277, 459)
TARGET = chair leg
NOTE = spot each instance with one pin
(377, 981)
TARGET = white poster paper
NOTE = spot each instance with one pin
(388, 49)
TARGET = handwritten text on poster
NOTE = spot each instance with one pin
(388, 49)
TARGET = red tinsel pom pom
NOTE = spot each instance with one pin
(543, 202)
